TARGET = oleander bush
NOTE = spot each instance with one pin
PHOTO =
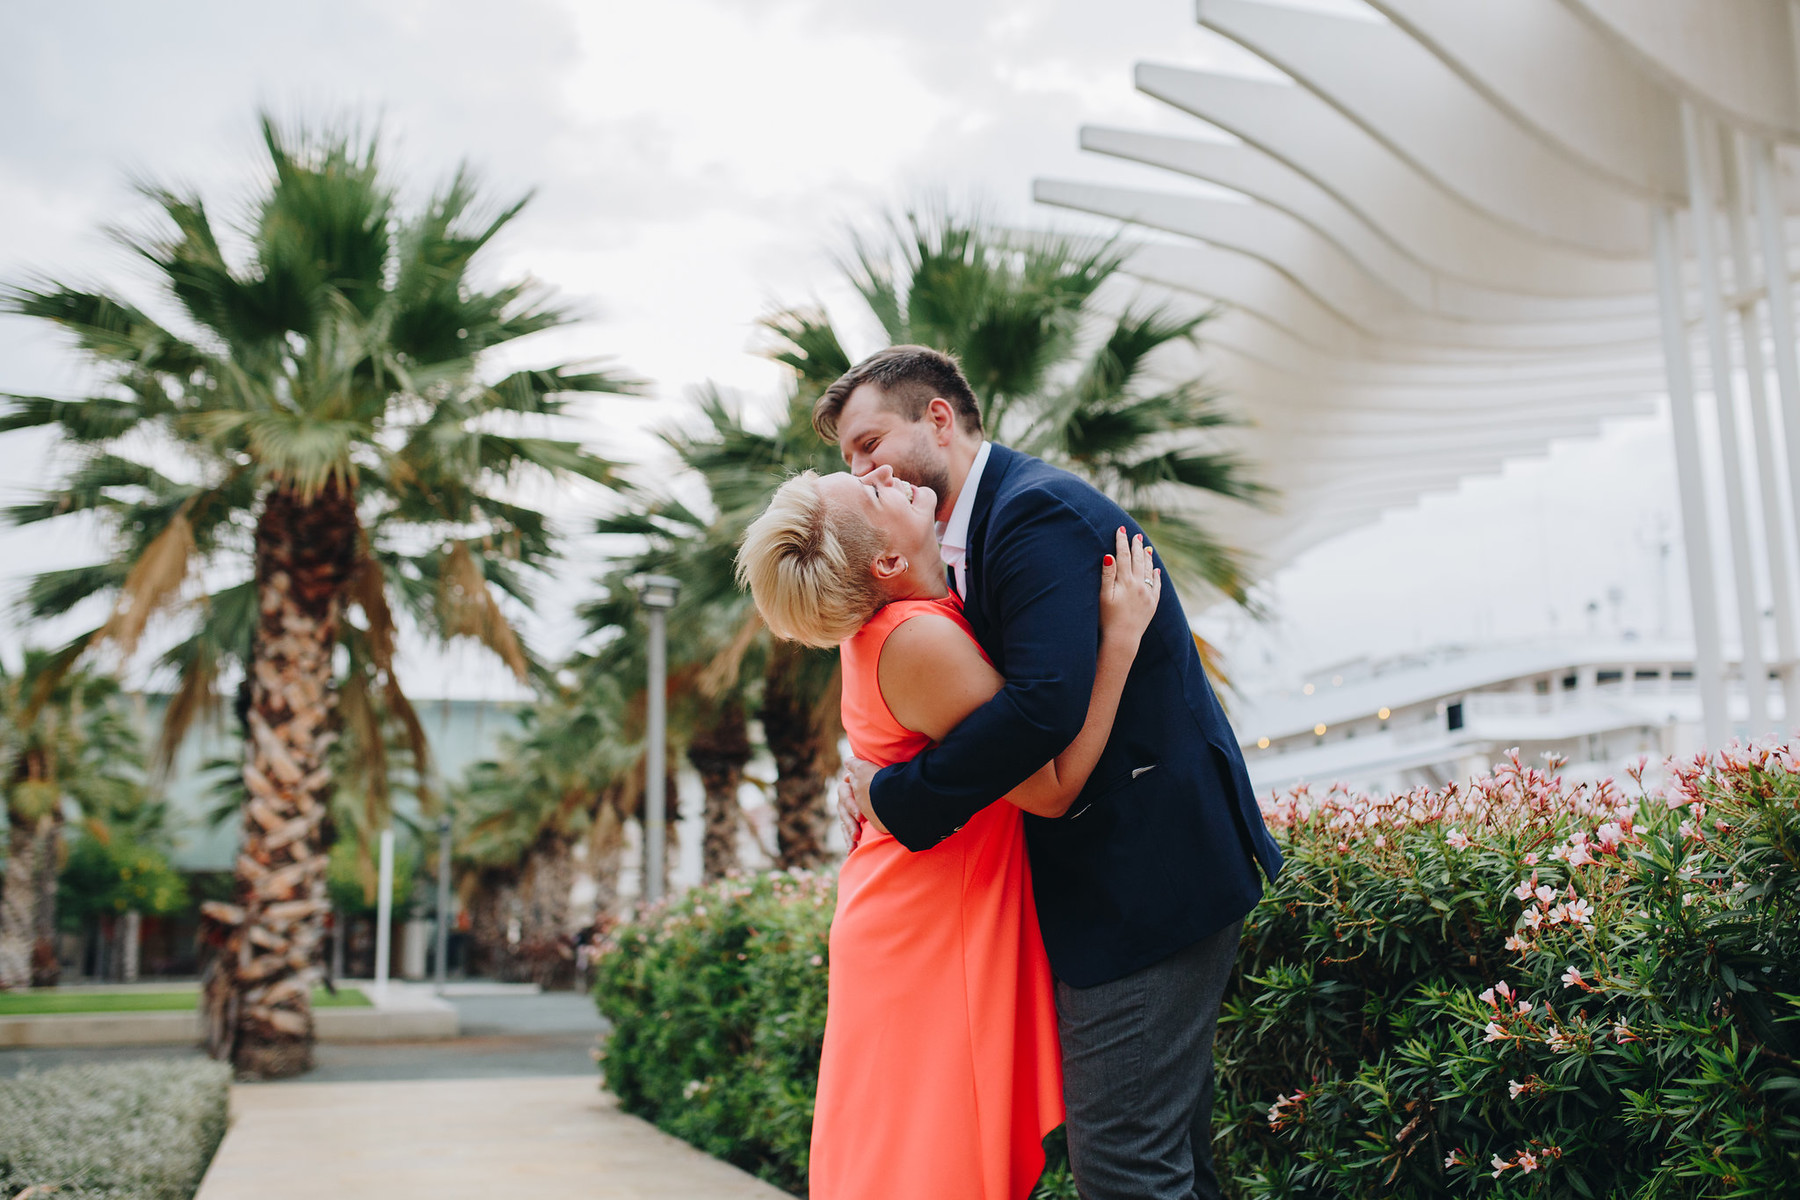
(1526, 988)
(112, 1131)
(717, 1004)
(1520, 987)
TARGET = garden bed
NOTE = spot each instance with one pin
(115, 1131)
(1522, 986)
(68, 1001)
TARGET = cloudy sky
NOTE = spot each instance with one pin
(698, 161)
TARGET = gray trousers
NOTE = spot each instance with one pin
(1138, 1075)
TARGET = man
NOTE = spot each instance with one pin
(1142, 886)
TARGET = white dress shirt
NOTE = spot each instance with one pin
(953, 535)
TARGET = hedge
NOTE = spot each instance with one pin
(113, 1131)
(1522, 986)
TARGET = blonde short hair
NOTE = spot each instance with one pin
(807, 565)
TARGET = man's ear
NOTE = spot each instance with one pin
(942, 415)
(888, 565)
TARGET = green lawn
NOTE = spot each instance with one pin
(20, 1004)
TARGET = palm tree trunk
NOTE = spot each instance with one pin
(257, 997)
(46, 968)
(606, 855)
(18, 901)
(719, 750)
(804, 756)
(546, 949)
(490, 909)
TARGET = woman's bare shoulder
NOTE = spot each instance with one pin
(931, 634)
(932, 674)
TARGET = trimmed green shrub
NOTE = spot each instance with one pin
(1526, 988)
(112, 1131)
(1519, 987)
(112, 874)
(717, 1004)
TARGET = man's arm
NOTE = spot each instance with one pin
(1042, 567)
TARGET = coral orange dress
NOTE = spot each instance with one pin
(941, 1072)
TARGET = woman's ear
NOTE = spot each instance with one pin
(888, 565)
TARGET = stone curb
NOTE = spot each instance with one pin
(183, 1028)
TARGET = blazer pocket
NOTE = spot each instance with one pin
(1113, 787)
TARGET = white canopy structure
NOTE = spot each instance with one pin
(1465, 230)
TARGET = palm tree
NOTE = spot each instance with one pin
(309, 446)
(553, 801)
(65, 738)
(1056, 373)
(724, 662)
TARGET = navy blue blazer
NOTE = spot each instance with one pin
(1162, 846)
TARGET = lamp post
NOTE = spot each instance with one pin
(443, 900)
(384, 914)
(657, 593)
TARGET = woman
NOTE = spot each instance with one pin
(940, 1074)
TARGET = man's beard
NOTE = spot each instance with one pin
(920, 471)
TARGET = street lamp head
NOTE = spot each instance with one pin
(655, 591)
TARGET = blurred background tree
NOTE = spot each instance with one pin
(314, 445)
(68, 746)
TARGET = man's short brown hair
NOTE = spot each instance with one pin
(910, 378)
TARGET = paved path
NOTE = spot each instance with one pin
(513, 1108)
(504, 1036)
(540, 1139)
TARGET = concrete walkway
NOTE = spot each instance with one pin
(536, 1139)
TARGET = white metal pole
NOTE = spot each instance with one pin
(653, 767)
(442, 970)
(1781, 325)
(1754, 668)
(1762, 434)
(1696, 539)
(384, 912)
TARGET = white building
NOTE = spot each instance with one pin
(1452, 232)
(1433, 717)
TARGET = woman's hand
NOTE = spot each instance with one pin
(1129, 591)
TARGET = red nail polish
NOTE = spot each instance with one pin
(1107, 560)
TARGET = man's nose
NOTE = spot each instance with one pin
(881, 476)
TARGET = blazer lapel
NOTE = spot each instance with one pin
(975, 609)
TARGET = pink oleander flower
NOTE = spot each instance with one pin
(1622, 1033)
(1500, 1164)
(1525, 890)
(1494, 1033)
(1527, 1162)
(1558, 914)
(1518, 1089)
(1517, 944)
(1533, 917)
(1544, 892)
(1580, 912)
(1578, 856)
(1530, 860)
(1611, 835)
(1454, 1159)
(1457, 839)
(1559, 1041)
(1572, 978)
